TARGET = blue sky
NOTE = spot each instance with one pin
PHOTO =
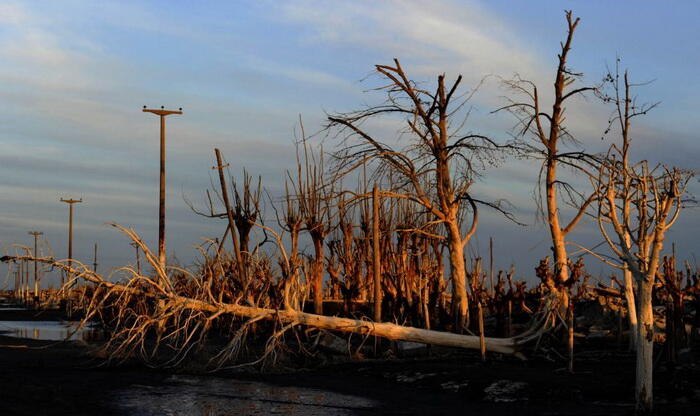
(75, 74)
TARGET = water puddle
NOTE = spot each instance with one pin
(190, 395)
(46, 330)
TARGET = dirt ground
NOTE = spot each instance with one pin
(56, 378)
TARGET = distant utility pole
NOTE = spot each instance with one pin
(17, 283)
(162, 112)
(94, 260)
(20, 273)
(22, 266)
(26, 281)
(36, 234)
(70, 203)
(138, 258)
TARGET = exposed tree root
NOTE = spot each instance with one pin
(150, 313)
(385, 330)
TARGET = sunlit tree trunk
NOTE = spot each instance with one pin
(458, 276)
(631, 307)
(561, 259)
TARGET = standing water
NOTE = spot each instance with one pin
(46, 330)
(192, 395)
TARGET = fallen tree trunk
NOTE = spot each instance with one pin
(289, 316)
(381, 329)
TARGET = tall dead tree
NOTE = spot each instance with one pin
(440, 154)
(636, 207)
(618, 90)
(550, 136)
(637, 238)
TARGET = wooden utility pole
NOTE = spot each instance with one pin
(162, 113)
(17, 285)
(70, 203)
(20, 292)
(26, 282)
(36, 234)
(138, 258)
(376, 260)
(94, 260)
(20, 279)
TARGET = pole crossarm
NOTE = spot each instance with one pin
(161, 112)
(72, 201)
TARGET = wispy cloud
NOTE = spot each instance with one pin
(431, 35)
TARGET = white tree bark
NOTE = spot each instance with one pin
(645, 350)
(631, 308)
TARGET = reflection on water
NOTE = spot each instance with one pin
(190, 395)
(46, 330)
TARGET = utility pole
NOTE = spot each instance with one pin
(36, 234)
(17, 285)
(94, 261)
(162, 113)
(22, 265)
(26, 281)
(20, 279)
(70, 203)
(138, 258)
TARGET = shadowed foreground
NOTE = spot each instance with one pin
(43, 377)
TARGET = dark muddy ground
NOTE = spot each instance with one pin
(50, 378)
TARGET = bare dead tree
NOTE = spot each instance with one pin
(291, 221)
(636, 233)
(246, 207)
(619, 91)
(636, 205)
(440, 154)
(315, 197)
(550, 135)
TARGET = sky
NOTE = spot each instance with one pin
(75, 75)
